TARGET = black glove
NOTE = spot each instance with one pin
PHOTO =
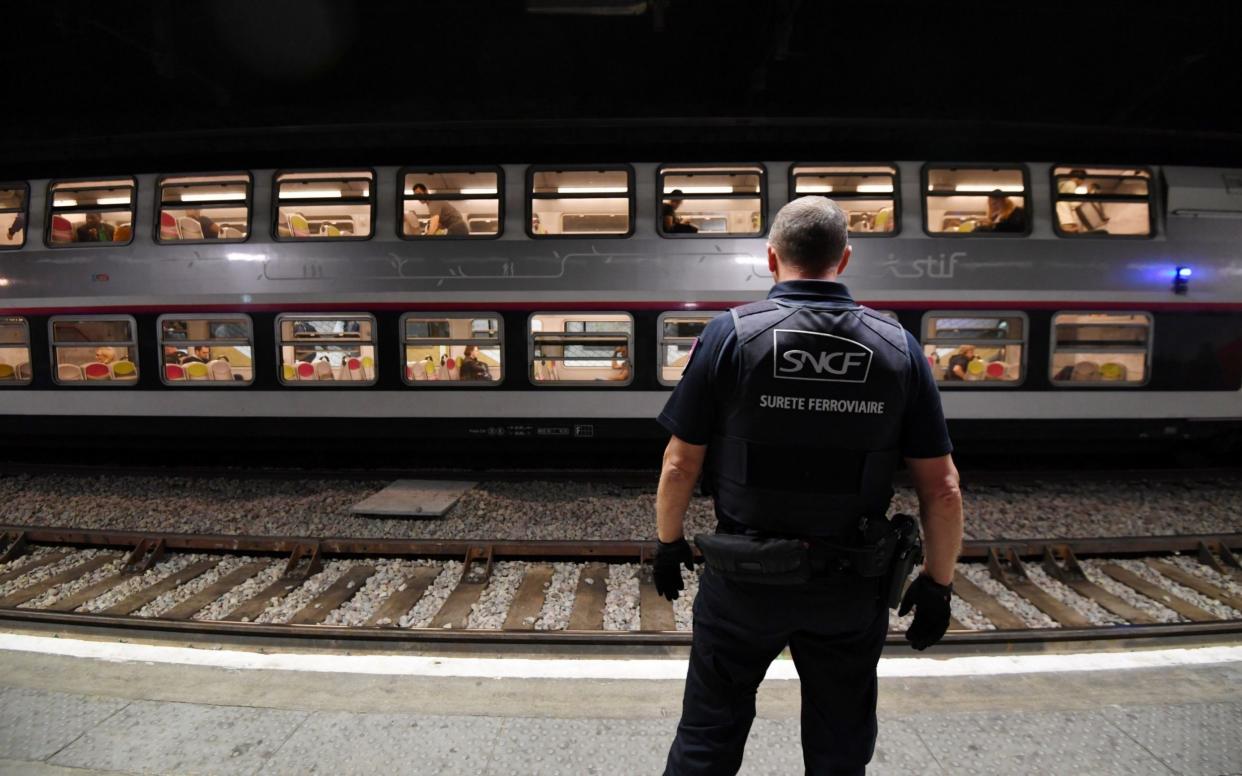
(667, 572)
(931, 611)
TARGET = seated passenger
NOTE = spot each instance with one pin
(672, 223)
(95, 229)
(199, 354)
(443, 216)
(105, 355)
(19, 223)
(211, 229)
(1003, 215)
(471, 368)
(172, 355)
(621, 364)
(959, 360)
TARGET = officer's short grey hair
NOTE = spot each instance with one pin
(810, 233)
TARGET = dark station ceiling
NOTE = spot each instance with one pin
(253, 83)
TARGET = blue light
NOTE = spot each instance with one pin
(1183, 273)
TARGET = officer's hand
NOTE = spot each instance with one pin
(930, 602)
(667, 571)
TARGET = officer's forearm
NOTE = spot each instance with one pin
(683, 463)
(942, 534)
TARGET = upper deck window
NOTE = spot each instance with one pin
(94, 349)
(324, 205)
(1102, 201)
(14, 351)
(711, 200)
(13, 200)
(678, 334)
(1091, 349)
(583, 348)
(976, 200)
(570, 203)
(866, 193)
(451, 203)
(978, 349)
(204, 207)
(453, 349)
(90, 212)
(327, 348)
(217, 351)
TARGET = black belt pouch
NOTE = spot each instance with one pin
(759, 561)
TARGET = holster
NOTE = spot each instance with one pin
(908, 553)
(751, 559)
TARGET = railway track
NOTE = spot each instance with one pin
(411, 591)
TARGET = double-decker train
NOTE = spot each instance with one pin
(425, 307)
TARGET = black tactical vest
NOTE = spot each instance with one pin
(810, 436)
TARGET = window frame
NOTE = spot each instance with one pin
(1095, 385)
(1025, 342)
(24, 210)
(328, 384)
(661, 339)
(403, 342)
(896, 195)
(602, 384)
(924, 195)
(1150, 200)
(51, 210)
(17, 382)
(132, 344)
(248, 203)
(402, 198)
(327, 172)
(210, 317)
(724, 168)
(530, 197)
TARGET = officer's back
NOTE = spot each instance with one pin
(801, 407)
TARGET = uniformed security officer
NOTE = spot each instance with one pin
(801, 407)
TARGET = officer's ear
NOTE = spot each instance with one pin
(845, 258)
(773, 263)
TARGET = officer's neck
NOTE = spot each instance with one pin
(782, 276)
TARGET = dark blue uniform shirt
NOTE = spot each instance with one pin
(692, 411)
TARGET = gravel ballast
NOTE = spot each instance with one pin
(578, 510)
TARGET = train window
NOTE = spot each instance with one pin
(451, 203)
(678, 334)
(568, 203)
(326, 349)
(581, 348)
(204, 207)
(868, 194)
(453, 349)
(213, 350)
(90, 212)
(324, 205)
(13, 200)
(1102, 201)
(976, 200)
(1092, 349)
(972, 348)
(711, 200)
(94, 350)
(14, 351)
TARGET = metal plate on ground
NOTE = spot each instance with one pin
(413, 498)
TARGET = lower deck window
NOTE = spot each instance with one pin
(1090, 349)
(99, 350)
(335, 349)
(452, 349)
(216, 350)
(678, 334)
(975, 348)
(582, 348)
(14, 351)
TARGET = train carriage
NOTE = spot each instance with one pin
(554, 305)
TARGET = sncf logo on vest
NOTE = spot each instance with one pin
(813, 355)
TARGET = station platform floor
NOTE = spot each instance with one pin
(72, 706)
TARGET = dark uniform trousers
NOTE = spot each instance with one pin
(835, 629)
